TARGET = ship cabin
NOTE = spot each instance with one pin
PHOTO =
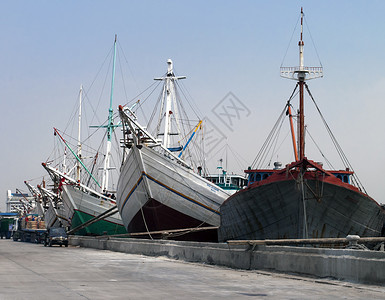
(344, 176)
(258, 175)
(262, 174)
(229, 182)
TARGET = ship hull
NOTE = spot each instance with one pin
(83, 207)
(156, 191)
(161, 218)
(277, 210)
(58, 217)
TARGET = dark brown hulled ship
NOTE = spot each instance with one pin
(301, 200)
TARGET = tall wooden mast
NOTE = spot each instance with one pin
(301, 80)
(301, 74)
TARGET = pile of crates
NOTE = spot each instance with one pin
(35, 224)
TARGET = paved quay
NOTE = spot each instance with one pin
(32, 271)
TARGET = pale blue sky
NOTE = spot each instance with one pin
(49, 48)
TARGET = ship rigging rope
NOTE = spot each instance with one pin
(144, 221)
(262, 152)
(126, 124)
(134, 99)
(140, 103)
(182, 179)
(101, 92)
(92, 83)
(336, 144)
(102, 126)
(149, 121)
(117, 149)
(94, 115)
(122, 76)
(74, 110)
(175, 234)
(183, 122)
(89, 136)
(129, 68)
(276, 149)
(274, 144)
(236, 155)
(238, 158)
(199, 149)
(188, 134)
(94, 150)
(188, 101)
(291, 38)
(319, 149)
(183, 110)
(311, 38)
(86, 97)
(304, 207)
(261, 156)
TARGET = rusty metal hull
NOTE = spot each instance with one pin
(277, 210)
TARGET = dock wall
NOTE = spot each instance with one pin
(358, 266)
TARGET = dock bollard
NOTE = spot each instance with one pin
(353, 242)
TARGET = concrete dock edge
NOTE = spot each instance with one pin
(357, 266)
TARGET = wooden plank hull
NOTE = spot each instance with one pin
(158, 191)
(281, 210)
(57, 217)
(84, 206)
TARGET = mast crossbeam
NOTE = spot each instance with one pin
(294, 72)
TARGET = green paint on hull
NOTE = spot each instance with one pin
(98, 228)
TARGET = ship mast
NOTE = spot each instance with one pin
(301, 74)
(110, 126)
(301, 80)
(170, 105)
(78, 168)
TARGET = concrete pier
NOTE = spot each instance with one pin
(343, 264)
(32, 271)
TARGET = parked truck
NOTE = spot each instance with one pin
(29, 228)
(7, 222)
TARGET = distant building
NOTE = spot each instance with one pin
(18, 202)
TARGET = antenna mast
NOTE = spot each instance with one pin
(301, 74)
